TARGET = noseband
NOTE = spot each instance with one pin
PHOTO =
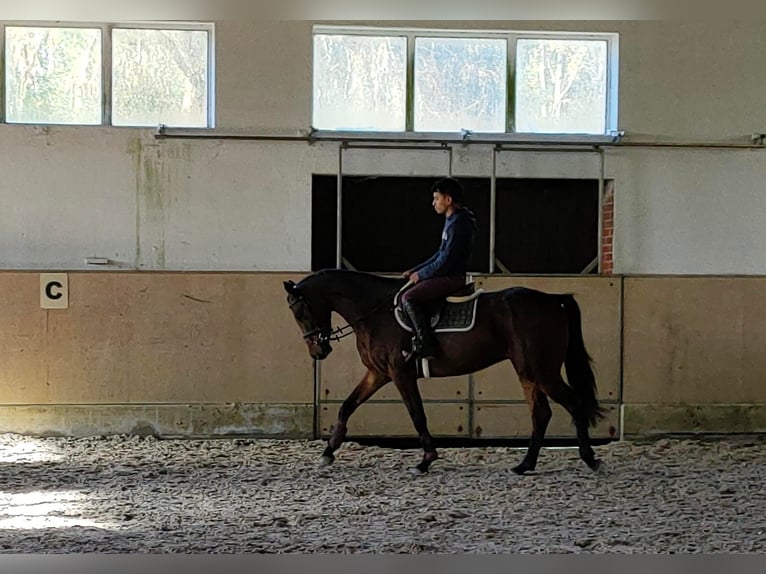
(323, 335)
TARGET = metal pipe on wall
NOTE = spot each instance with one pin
(352, 145)
(339, 210)
(492, 210)
(163, 132)
(583, 148)
(600, 224)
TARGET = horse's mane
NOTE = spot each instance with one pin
(362, 275)
(360, 283)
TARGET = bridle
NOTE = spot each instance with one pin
(329, 334)
(324, 335)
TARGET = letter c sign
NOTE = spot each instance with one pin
(54, 291)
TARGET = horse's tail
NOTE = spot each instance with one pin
(578, 363)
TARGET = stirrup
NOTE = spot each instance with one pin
(412, 353)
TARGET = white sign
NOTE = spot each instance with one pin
(54, 291)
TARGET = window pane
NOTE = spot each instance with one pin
(53, 75)
(160, 77)
(460, 84)
(561, 86)
(360, 82)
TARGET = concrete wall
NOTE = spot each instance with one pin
(199, 354)
(67, 192)
(693, 354)
(186, 354)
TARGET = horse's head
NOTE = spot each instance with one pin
(314, 319)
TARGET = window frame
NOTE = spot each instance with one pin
(509, 135)
(107, 95)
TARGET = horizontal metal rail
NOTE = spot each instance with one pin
(411, 141)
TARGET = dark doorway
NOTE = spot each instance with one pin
(546, 225)
(543, 226)
(389, 224)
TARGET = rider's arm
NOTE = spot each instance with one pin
(456, 245)
(428, 261)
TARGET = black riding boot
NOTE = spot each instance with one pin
(424, 342)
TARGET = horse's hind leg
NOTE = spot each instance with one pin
(367, 387)
(407, 384)
(555, 387)
(541, 415)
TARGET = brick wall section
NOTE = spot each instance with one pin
(607, 229)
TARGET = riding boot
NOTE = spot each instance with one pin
(424, 342)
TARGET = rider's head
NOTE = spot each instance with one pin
(447, 194)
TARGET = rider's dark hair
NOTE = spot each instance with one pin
(449, 186)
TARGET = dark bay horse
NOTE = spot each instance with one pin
(538, 332)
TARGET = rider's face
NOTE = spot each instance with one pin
(441, 202)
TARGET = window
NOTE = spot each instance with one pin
(561, 86)
(53, 75)
(460, 83)
(432, 81)
(108, 74)
(360, 82)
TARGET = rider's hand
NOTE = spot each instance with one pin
(414, 278)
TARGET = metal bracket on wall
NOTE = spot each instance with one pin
(502, 267)
(590, 266)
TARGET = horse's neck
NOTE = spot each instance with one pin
(353, 300)
(349, 305)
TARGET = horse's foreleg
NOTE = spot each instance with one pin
(367, 387)
(407, 384)
(541, 415)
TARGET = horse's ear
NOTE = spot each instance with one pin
(289, 286)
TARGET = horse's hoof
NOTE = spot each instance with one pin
(599, 467)
(326, 461)
(521, 468)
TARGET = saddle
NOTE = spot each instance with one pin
(454, 314)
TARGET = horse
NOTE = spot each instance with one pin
(537, 332)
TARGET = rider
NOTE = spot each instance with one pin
(444, 272)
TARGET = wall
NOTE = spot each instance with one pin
(218, 353)
(693, 354)
(143, 204)
(67, 192)
(211, 210)
(179, 353)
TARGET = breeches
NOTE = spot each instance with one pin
(429, 290)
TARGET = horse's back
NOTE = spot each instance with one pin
(524, 301)
(520, 292)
